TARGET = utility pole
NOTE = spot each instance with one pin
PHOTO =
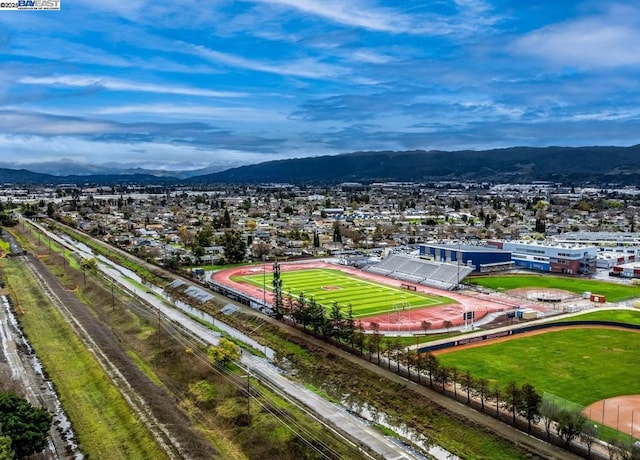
(248, 397)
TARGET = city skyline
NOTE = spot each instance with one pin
(188, 85)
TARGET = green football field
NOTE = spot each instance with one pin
(367, 298)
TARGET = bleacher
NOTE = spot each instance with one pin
(428, 273)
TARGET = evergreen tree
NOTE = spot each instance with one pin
(349, 326)
(278, 308)
(27, 426)
(226, 219)
(529, 406)
(235, 246)
(513, 399)
(337, 235)
(432, 367)
(336, 320)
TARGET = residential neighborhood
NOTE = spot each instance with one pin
(186, 227)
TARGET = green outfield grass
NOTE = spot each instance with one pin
(618, 316)
(366, 297)
(581, 365)
(612, 292)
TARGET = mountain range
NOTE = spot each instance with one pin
(575, 165)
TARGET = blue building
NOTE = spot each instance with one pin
(483, 259)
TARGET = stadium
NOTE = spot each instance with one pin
(400, 293)
(403, 295)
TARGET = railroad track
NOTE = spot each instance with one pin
(51, 287)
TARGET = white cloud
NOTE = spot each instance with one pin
(32, 149)
(34, 123)
(305, 68)
(596, 42)
(472, 15)
(121, 85)
(352, 13)
(201, 111)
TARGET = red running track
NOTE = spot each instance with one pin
(408, 320)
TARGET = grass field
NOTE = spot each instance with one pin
(103, 421)
(612, 292)
(367, 298)
(581, 365)
(619, 316)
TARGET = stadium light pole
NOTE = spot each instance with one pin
(458, 261)
(264, 280)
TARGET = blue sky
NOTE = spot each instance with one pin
(195, 83)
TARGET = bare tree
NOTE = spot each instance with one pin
(549, 413)
(588, 435)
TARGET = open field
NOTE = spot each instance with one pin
(582, 365)
(612, 292)
(367, 298)
(104, 422)
(620, 316)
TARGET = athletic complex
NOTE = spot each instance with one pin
(405, 307)
(394, 304)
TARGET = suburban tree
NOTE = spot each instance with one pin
(301, 311)
(27, 426)
(529, 406)
(425, 325)
(482, 390)
(371, 343)
(389, 349)
(359, 337)
(588, 436)
(6, 451)
(316, 316)
(549, 412)
(204, 235)
(512, 399)
(466, 380)
(289, 305)
(442, 376)
(447, 324)
(260, 249)
(432, 367)
(235, 246)
(349, 326)
(377, 338)
(223, 353)
(337, 235)
(397, 352)
(570, 424)
(226, 219)
(454, 373)
(336, 320)
(497, 397)
(326, 325)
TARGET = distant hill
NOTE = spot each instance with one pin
(517, 164)
(569, 165)
(25, 177)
